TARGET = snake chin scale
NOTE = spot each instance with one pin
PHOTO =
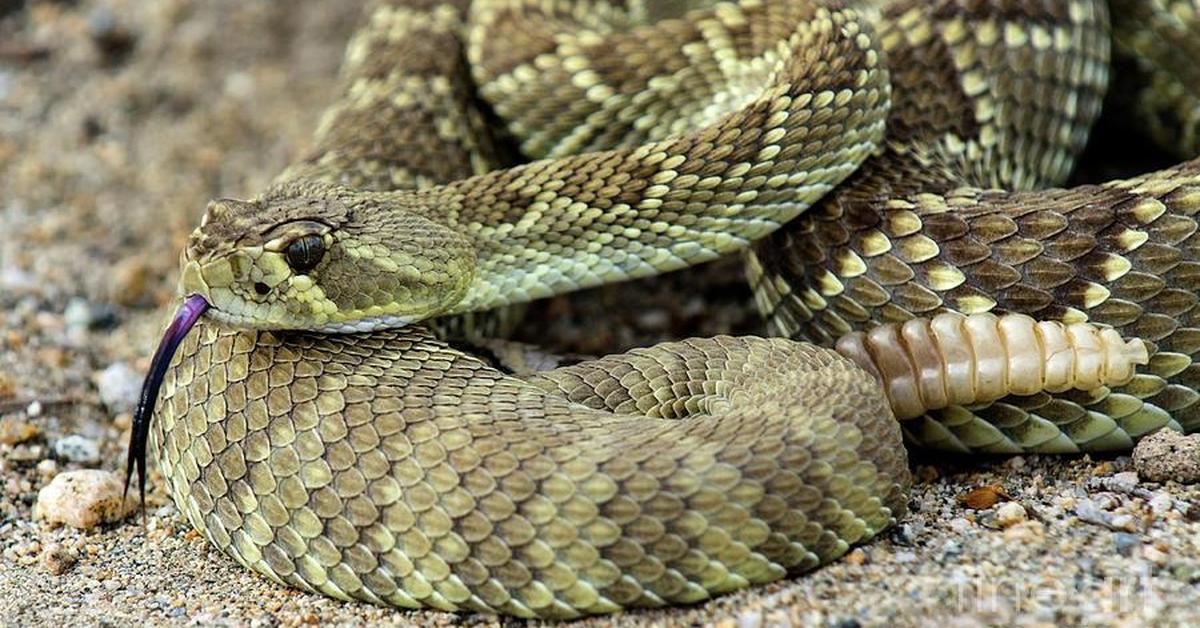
(365, 325)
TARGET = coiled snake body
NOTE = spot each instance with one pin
(312, 435)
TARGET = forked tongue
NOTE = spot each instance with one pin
(185, 317)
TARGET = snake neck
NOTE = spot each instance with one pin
(697, 185)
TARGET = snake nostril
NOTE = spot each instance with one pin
(261, 288)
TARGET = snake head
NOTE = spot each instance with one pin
(325, 259)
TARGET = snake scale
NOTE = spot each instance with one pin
(309, 430)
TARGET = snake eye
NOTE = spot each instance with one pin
(304, 253)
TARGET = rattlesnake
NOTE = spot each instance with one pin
(313, 433)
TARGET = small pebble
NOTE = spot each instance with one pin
(81, 316)
(84, 499)
(48, 468)
(1155, 555)
(12, 278)
(653, 319)
(960, 525)
(57, 559)
(1095, 511)
(1161, 504)
(950, 551)
(76, 448)
(907, 533)
(1010, 514)
(1167, 455)
(123, 420)
(113, 40)
(1187, 573)
(1103, 469)
(27, 453)
(927, 474)
(1125, 543)
(240, 85)
(78, 315)
(34, 409)
(750, 619)
(1016, 463)
(14, 431)
(120, 385)
(131, 278)
(1026, 533)
(1125, 479)
(1124, 522)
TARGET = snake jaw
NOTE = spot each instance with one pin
(185, 318)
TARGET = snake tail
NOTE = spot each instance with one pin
(932, 363)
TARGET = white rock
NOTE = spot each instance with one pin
(78, 315)
(78, 449)
(120, 385)
(1010, 513)
(48, 468)
(1125, 479)
(750, 619)
(84, 499)
(1161, 504)
(13, 279)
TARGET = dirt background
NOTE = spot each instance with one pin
(119, 119)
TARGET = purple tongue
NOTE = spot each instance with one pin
(185, 317)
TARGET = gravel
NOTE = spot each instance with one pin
(120, 118)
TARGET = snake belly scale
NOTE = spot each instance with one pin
(310, 430)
